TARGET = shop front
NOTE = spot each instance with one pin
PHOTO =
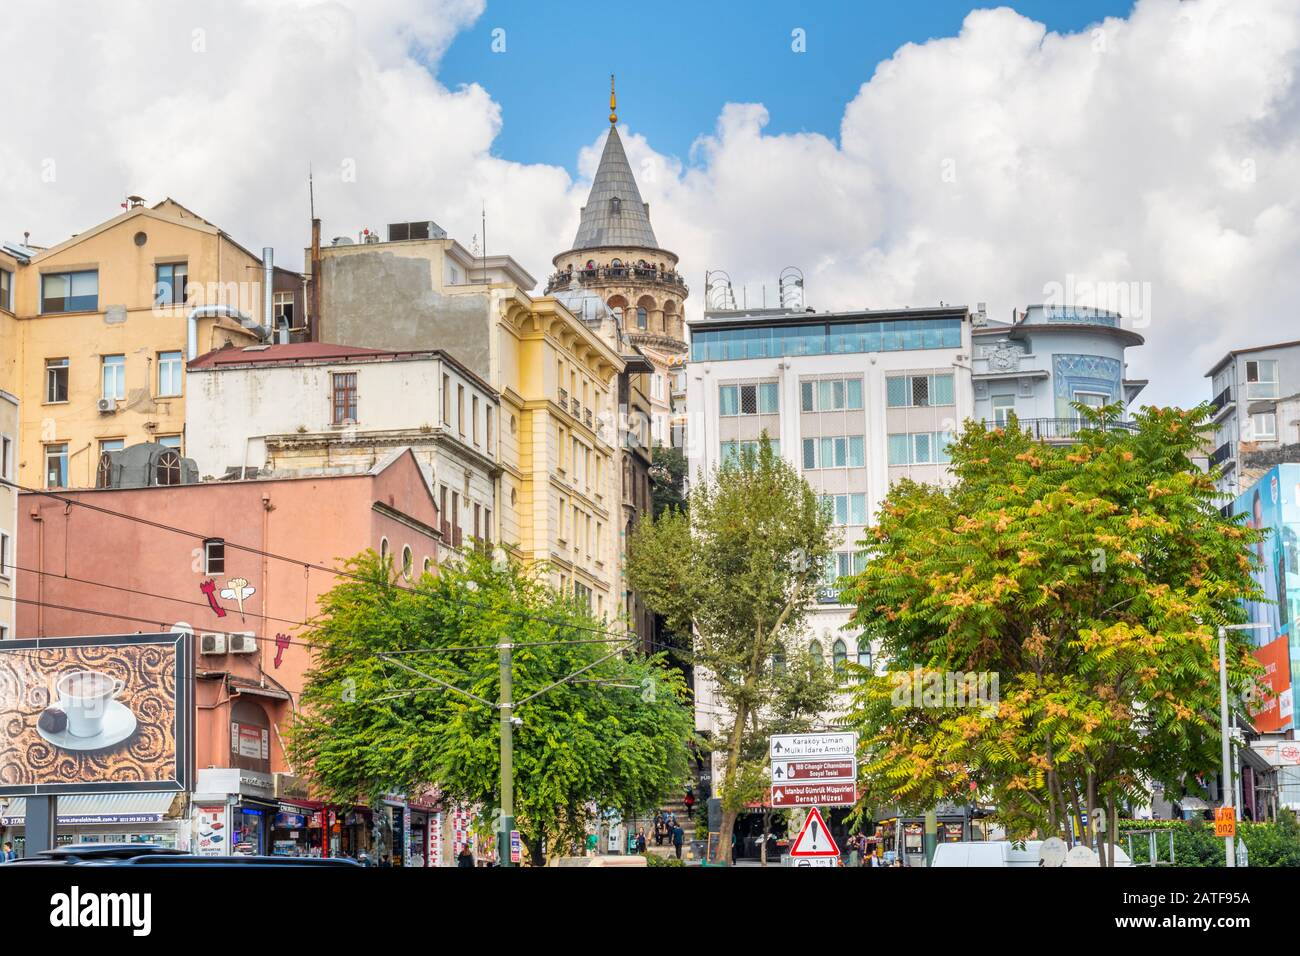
(144, 818)
(233, 812)
(424, 842)
(298, 829)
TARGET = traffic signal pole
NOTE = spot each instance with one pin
(507, 757)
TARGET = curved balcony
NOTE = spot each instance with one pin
(619, 275)
(1060, 429)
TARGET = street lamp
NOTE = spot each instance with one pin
(1227, 787)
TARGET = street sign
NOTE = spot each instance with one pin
(516, 848)
(819, 771)
(839, 794)
(793, 746)
(1225, 822)
(813, 861)
(814, 840)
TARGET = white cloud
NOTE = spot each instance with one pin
(1162, 149)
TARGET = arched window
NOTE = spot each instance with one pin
(408, 562)
(839, 654)
(104, 476)
(383, 549)
(168, 470)
(815, 654)
(642, 318)
(428, 565)
(864, 652)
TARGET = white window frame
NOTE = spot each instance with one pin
(174, 364)
(1269, 387)
(1259, 434)
(1001, 412)
(118, 376)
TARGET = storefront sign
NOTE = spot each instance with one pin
(516, 849)
(96, 714)
(211, 830)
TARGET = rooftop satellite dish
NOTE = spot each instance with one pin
(1052, 852)
(1082, 856)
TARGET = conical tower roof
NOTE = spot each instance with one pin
(614, 214)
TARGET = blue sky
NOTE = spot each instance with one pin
(679, 62)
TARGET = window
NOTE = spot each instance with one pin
(169, 373)
(214, 556)
(762, 398)
(835, 452)
(345, 398)
(6, 456)
(283, 307)
(825, 339)
(70, 292)
(168, 469)
(1263, 427)
(171, 284)
(487, 421)
(111, 444)
(56, 380)
(642, 318)
(460, 409)
(1003, 407)
(478, 516)
(918, 391)
(919, 448)
(1261, 378)
(732, 451)
(487, 525)
(446, 400)
(1091, 400)
(104, 473)
(170, 441)
(473, 418)
(839, 655)
(6, 290)
(815, 655)
(4, 554)
(114, 376)
(848, 509)
(56, 465)
(831, 395)
(383, 549)
(408, 562)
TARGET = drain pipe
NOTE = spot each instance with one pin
(268, 295)
(211, 312)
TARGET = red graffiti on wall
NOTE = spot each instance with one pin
(281, 642)
(209, 588)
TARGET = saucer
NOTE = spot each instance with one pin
(119, 724)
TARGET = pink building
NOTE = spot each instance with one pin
(209, 556)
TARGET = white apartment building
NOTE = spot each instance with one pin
(854, 400)
(315, 408)
(1256, 408)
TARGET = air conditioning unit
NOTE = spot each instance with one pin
(106, 406)
(243, 643)
(212, 643)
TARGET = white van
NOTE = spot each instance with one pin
(999, 853)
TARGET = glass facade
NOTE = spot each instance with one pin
(715, 345)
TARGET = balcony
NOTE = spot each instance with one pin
(1223, 455)
(1221, 404)
(1060, 429)
(575, 407)
(564, 398)
(586, 417)
(621, 275)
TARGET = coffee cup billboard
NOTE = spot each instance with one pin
(96, 714)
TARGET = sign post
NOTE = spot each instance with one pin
(814, 846)
(814, 770)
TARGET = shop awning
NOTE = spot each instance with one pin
(97, 808)
(1255, 761)
(1192, 803)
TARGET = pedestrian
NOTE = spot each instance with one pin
(690, 803)
(659, 829)
(640, 840)
(679, 835)
(9, 854)
(364, 858)
(465, 859)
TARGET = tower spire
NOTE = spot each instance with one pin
(613, 102)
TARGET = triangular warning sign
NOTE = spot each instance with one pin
(814, 838)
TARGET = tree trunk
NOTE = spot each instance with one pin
(729, 788)
(1112, 826)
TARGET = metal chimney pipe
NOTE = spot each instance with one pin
(268, 293)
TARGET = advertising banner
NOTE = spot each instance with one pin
(96, 714)
(1272, 712)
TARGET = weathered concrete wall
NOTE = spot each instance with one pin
(385, 300)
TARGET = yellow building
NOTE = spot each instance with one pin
(9, 421)
(556, 447)
(105, 321)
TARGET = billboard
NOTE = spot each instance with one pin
(96, 714)
(1273, 502)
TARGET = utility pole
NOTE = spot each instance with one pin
(507, 757)
(1228, 786)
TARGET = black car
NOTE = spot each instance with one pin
(150, 854)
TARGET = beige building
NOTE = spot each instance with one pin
(9, 423)
(105, 322)
(554, 375)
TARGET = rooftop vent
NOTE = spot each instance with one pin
(407, 231)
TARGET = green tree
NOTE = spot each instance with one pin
(1089, 579)
(613, 737)
(667, 479)
(738, 571)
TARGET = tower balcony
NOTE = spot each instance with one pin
(627, 275)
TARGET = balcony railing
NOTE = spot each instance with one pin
(564, 398)
(626, 273)
(586, 416)
(1221, 400)
(1221, 454)
(1061, 429)
(575, 407)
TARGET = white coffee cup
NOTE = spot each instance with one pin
(84, 697)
